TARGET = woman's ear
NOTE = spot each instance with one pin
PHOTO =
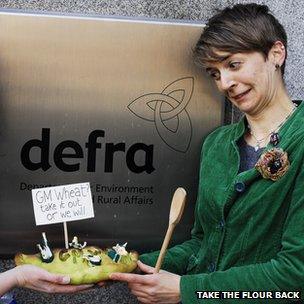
(277, 54)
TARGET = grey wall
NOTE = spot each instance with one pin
(289, 12)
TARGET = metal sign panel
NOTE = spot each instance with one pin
(117, 103)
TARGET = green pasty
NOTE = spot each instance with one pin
(82, 265)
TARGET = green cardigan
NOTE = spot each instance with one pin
(248, 233)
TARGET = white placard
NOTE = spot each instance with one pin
(62, 203)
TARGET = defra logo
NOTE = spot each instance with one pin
(167, 110)
(109, 149)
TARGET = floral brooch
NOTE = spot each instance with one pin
(273, 164)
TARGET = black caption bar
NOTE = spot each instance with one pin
(292, 295)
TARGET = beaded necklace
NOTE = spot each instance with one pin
(274, 135)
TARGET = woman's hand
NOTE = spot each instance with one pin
(41, 280)
(152, 287)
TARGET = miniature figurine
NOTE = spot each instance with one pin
(45, 251)
(77, 245)
(118, 252)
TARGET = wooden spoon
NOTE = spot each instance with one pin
(176, 211)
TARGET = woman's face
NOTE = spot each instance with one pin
(248, 80)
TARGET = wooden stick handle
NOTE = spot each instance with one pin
(164, 248)
(66, 237)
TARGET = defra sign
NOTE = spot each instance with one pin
(62, 203)
(60, 156)
(117, 103)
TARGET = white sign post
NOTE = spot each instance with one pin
(62, 204)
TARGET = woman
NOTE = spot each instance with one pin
(248, 233)
(37, 279)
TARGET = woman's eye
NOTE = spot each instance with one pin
(214, 74)
(234, 65)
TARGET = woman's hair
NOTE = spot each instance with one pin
(238, 29)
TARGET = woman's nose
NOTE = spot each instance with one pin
(226, 82)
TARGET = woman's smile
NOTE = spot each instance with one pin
(241, 96)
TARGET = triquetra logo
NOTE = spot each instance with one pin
(167, 110)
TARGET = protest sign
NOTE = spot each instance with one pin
(62, 203)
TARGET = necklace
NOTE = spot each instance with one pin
(274, 135)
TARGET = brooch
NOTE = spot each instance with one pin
(273, 164)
